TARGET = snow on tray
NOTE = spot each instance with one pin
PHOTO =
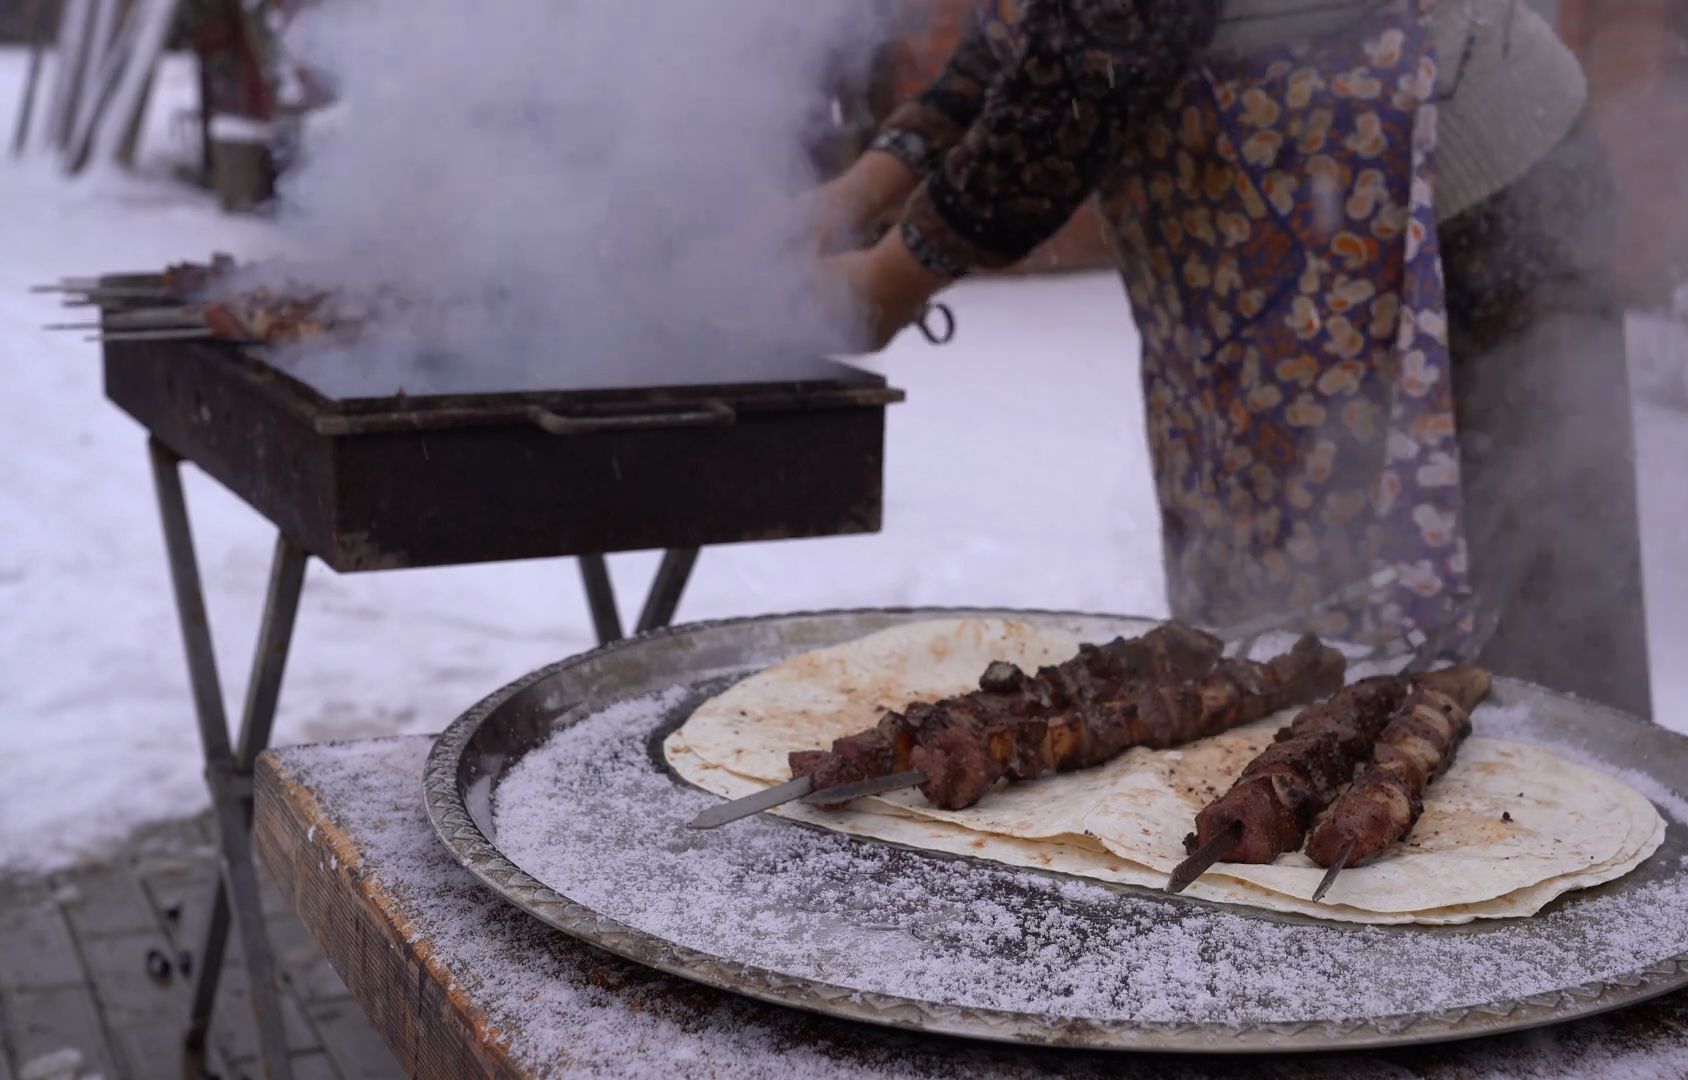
(582, 1013)
(590, 815)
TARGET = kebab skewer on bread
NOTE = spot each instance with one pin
(1419, 744)
(1173, 652)
(1069, 716)
(1268, 809)
(962, 750)
(874, 756)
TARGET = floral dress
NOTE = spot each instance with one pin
(1273, 223)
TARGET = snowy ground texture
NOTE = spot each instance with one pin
(96, 732)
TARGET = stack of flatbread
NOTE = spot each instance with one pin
(1510, 827)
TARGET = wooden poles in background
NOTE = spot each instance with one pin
(105, 55)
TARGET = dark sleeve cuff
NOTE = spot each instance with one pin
(906, 145)
(917, 135)
(940, 246)
(931, 256)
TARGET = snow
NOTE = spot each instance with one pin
(572, 1011)
(871, 917)
(96, 728)
(57, 1065)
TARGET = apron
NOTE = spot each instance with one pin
(1276, 234)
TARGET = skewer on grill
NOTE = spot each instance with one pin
(1268, 809)
(184, 333)
(1386, 801)
(115, 292)
(177, 282)
(169, 318)
(153, 316)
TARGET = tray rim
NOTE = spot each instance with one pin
(448, 814)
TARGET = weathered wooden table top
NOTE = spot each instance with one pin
(460, 984)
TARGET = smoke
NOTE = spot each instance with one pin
(574, 183)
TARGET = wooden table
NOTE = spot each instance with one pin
(459, 984)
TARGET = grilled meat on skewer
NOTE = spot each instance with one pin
(1173, 652)
(969, 744)
(263, 318)
(188, 279)
(1417, 746)
(1272, 803)
(1064, 719)
(259, 316)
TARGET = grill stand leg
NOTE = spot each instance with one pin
(228, 769)
(670, 583)
(664, 598)
(600, 595)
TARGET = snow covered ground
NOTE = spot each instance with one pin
(1037, 393)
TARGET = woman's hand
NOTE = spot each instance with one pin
(888, 287)
(844, 209)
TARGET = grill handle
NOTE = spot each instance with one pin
(706, 414)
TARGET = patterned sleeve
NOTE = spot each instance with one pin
(1049, 126)
(922, 129)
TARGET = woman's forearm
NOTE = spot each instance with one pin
(875, 184)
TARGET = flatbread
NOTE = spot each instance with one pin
(1098, 864)
(1565, 819)
(1077, 859)
(1124, 821)
(815, 697)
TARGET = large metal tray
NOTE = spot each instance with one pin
(480, 748)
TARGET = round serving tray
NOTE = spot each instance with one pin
(631, 836)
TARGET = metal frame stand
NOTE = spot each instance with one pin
(236, 903)
(228, 768)
(664, 597)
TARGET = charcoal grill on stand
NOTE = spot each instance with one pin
(368, 463)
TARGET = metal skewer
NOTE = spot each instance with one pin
(184, 333)
(67, 285)
(1204, 857)
(861, 789)
(114, 292)
(800, 790)
(722, 813)
(146, 319)
(1335, 868)
(155, 315)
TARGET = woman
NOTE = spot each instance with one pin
(1367, 247)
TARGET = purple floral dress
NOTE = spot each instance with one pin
(1273, 222)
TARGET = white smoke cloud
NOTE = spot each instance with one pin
(580, 177)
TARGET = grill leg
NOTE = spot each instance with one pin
(600, 594)
(229, 776)
(670, 583)
(210, 962)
